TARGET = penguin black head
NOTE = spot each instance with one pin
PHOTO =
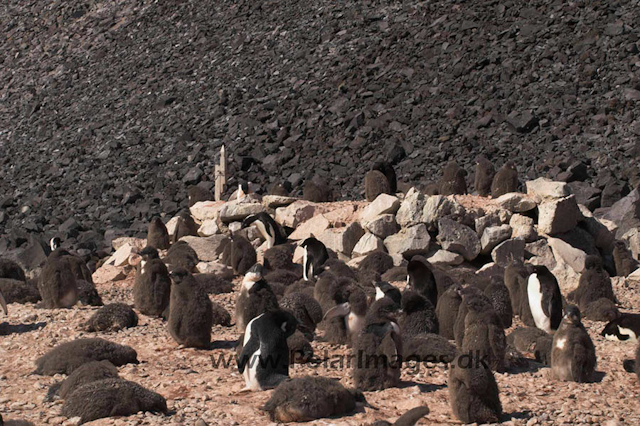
(384, 289)
(572, 314)
(55, 243)
(381, 311)
(254, 274)
(149, 253)
(593, 262)
(178, 275)
(285, 321)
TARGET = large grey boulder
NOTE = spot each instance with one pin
(506, 251)
(458, 238)
(494, 235)
(383, 204)
(523, 227)
(409, 241)
(516, 202)
(342, 240)
(410, 211)
(546, 189)
(207, 248)
(382, 226)
(559, 215)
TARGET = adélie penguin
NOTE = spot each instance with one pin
(269, 228)
(545, 299)
(255, 298)
(314, 256)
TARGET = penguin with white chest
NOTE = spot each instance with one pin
(264, 360)
(625, 328)
(545, 299)
(255, 298)
(345, 320)
(314, 256)
(573, 357)
(268, 227)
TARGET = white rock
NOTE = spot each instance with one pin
(275, 201)
(516, 202)
(208, 228)
(382, 226)
(121, 256)
(544, 188)
(409, 241)
(316, 225)
(558, 215)
(410, 211)
(204, 210)
(233, 211)
(208, 248)
(565, 253)
(383, 204)
(523, 227)
(295, 213)
(367, 244)
(494, 235)
(444, 257)
(342, 240)
(171, 225)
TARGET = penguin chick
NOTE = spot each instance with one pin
(87, 373)
(190, 311)
(473, 391)
(66, 357)
(420, 278)
(625, 328)
(315, 255)
(345, 320)
(340, 269)
(484, 333)
(279, 257)
(602, 309)
(220, 315)
(545, 299)
(515, 279)
(377, 261)
(112, 317)
(15, 291)
(306, 310)
(387, 169)
(11, 270)
(447, 311)
(269, 228)
(57, 283)
(282, 189)
(256, 297)
(384, 289)
(498, 294)
(428, 347)
(469, 294)
(453, 180)
(195, 194)
(111, 397)
(316, 190)
(397, 273)
(76, 263)
(181, 255)
(375, 183)
(594, 283)
(157, 235)
(573, 357)
(152, 285)
(633, 366)
(264, 360)
(532, 340)
(242, 254)
(623, 259)
(505, 180)
(281, 276)
(213, 283)
(485, 173)
(378, 349)
(300, 350)
(418, 315)
(185, 226)
(307, 398)
(88, 293)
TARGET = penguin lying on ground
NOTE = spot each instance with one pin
(11, 270)
(268, 228)
(314, 257)
(428, 347)
(378, 261)
(152, 285)
(409, 418)
(279, 257)
(378, 349)
(473, 391)
(111, 397)
(601, 310)
(66, 357)
(545, 299)
(87, 373)
(190, 311)
(304, 399)
(16, 291)
(573, 357)
(625, 328)
(112, 317)
(255, 298)
(157, 235)
(264, 360)
(533, 340)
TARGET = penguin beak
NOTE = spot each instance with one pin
(3, 303)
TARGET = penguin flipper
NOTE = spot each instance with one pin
(412, 416)
(341, 310)
(247, 352)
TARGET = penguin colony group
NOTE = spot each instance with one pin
(281, 307)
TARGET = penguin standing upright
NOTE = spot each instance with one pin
(505, 181)
(157, 235)
(255, 298)
(305, 309)
(418, 315)
(473, 391)
(195, 194)
(268, 228)
(375, 183)
(453, 180)
(264, 360)
(314, 256)
(484, 333)
(57, 283)
(420, 278)
(242, 255)
(515, 279)
(623, 259)
(152, 285)
(545, 299)
(387, 169)
(498, 294)
(190, 311)
(484, 176)
(378, 349)
(185, 226)
(346, 319)
(76, 263)
(594, 284)
(447, 311)
(573, 357)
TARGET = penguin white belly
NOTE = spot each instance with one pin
(249, 373)
(305, 260)
(355, 323)
(263, 230)
(535, 304)
(627, 332)
(379, 293)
